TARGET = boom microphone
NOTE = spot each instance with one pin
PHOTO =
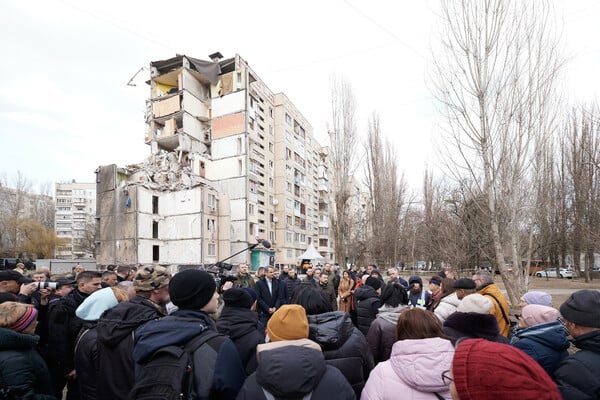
(265, 243)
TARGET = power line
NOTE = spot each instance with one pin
(119, 26)
(383, 28)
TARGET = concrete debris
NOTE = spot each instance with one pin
(163, 172)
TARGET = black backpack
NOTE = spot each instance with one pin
(168, 374)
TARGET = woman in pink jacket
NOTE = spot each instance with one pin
(419, 358)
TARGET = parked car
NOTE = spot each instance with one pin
(551, 273)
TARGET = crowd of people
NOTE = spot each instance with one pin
(351, 334)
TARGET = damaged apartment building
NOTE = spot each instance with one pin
(230, 162)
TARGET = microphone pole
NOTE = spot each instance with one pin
(252, 246)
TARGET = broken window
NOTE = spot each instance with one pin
(155, 253)
(154, 204)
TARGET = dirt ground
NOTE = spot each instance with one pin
(556, 284)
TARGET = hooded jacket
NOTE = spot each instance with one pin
(343, 346)
(414, 371)
(115, 345)
(367, 305)
(86, 347)
(293, 369)
(218, 371)
(22, 369)
(382, 333)
(473, 325)
(577, 376)
(545, 343)
(446, 306)
(241, 325)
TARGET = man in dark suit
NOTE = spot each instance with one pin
(270, 296)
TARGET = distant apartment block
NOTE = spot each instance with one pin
(75, 219)
(230, 162)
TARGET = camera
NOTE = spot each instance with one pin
(46, 285)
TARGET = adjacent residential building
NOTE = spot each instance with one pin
(75, 216)
(231, 163)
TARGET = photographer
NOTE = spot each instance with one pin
(13, 282)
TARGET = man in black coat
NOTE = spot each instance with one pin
(63, 328)
(239, 321)
(270, 296)
(327, 288)
(116, 326)
(367, 303)
(577, 376)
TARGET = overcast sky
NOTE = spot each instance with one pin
(65, 107)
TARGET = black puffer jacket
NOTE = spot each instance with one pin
(293, 371)
(63, 328)
(22, 370)
(343, 346)
(367, 303)
(577, 376)
(241, 325)
(115, 345)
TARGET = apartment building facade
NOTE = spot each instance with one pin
(74, 219)
(246, 156)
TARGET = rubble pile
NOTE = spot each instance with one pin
(163, 172)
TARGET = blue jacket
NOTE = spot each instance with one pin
(218, 369)
(545, 343)
(577, 376)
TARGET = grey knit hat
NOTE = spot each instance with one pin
(583, 308)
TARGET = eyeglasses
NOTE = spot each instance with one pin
(446, 378)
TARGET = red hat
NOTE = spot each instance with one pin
(491, 370)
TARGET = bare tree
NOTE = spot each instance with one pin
(387, 189)
(495, 78)
(343, 140)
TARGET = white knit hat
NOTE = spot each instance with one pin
(475, 303)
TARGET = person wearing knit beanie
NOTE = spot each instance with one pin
(475, 303)
(237, 297)
(488, 370)
(375, 283)
(23, 372)
(239, 321)
(289, 322)
(577, 376)
(536, 297)
(541, 336)
(193, 290)
(535, 314)
(96, 303)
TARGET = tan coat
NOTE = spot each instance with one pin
(345, 293)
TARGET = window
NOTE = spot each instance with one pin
(288, 119)
(154, 229)
(289, 237)
(250, 208)
(212, 201)
(212, 249)
(154, 204)
(155, 253)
